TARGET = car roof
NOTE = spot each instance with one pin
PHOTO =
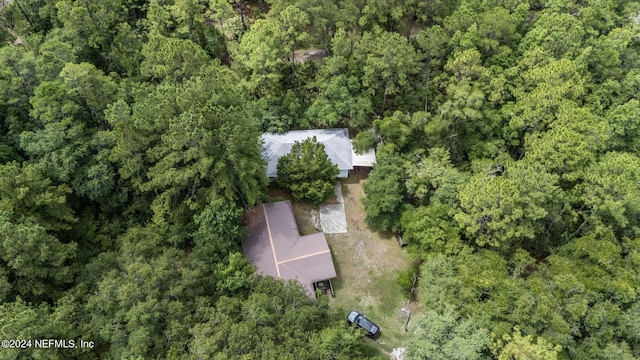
(366, 323)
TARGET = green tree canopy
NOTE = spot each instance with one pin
(190, 145)
(307, 171)
(385, 191)
(506, 210)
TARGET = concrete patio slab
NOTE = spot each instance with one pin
(333, 217)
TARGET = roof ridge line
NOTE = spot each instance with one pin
(304, 256)
(273, 249)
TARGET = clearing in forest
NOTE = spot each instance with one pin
(368, 264)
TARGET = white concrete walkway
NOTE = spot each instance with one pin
(333, 217)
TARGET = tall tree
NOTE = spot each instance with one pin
(430, 229)
(385, 191)
(75, 140)
(609, 193)
(447, 336)
(560, 35)
(388, 61)
(434, 179)
(574, 141)
(26, 194)
(520, 347)
(190, 145)
(540, 93)
(38, 263)
(341, 99)
(171, 59)
(506, 210)
(307, 171)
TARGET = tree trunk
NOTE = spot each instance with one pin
(575, 233)
(293, 67)
(384, 99)
(26, 16)
(240, 7)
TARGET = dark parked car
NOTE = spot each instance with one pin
(361, 321)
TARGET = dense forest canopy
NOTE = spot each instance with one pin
(508, 141)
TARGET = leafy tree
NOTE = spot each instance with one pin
(511, 127)
(465, 120)
(93, 21)
(22, 320)
(268, 48)
(94, 89)
(26, 194)
(307, 171)
(625, 126)
(364, 141)
(433, 44)
(190, 145)
(609, 191)
(561, 35)
(276, 320)
(388, 61)
(30, 16)
(447, 336)
(322, 15)
(186, 19)
(171, 59)
(74, 142)
(574, 141)
(53, 54)
(341, 99)
(400, 130)
(126, 51)
(219, 230)
(385, 191)
(520, 347)
(37, 261)
(434, 179)
(541, 93)
(430, 229)
(501, 211)
(18, 80)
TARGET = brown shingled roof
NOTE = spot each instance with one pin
(276, 248)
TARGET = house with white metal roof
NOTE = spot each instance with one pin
(336, 142)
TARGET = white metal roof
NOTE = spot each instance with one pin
(368, 158)
(336, 143)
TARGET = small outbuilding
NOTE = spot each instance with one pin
(276, 248)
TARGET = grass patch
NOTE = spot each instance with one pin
(368, 264)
